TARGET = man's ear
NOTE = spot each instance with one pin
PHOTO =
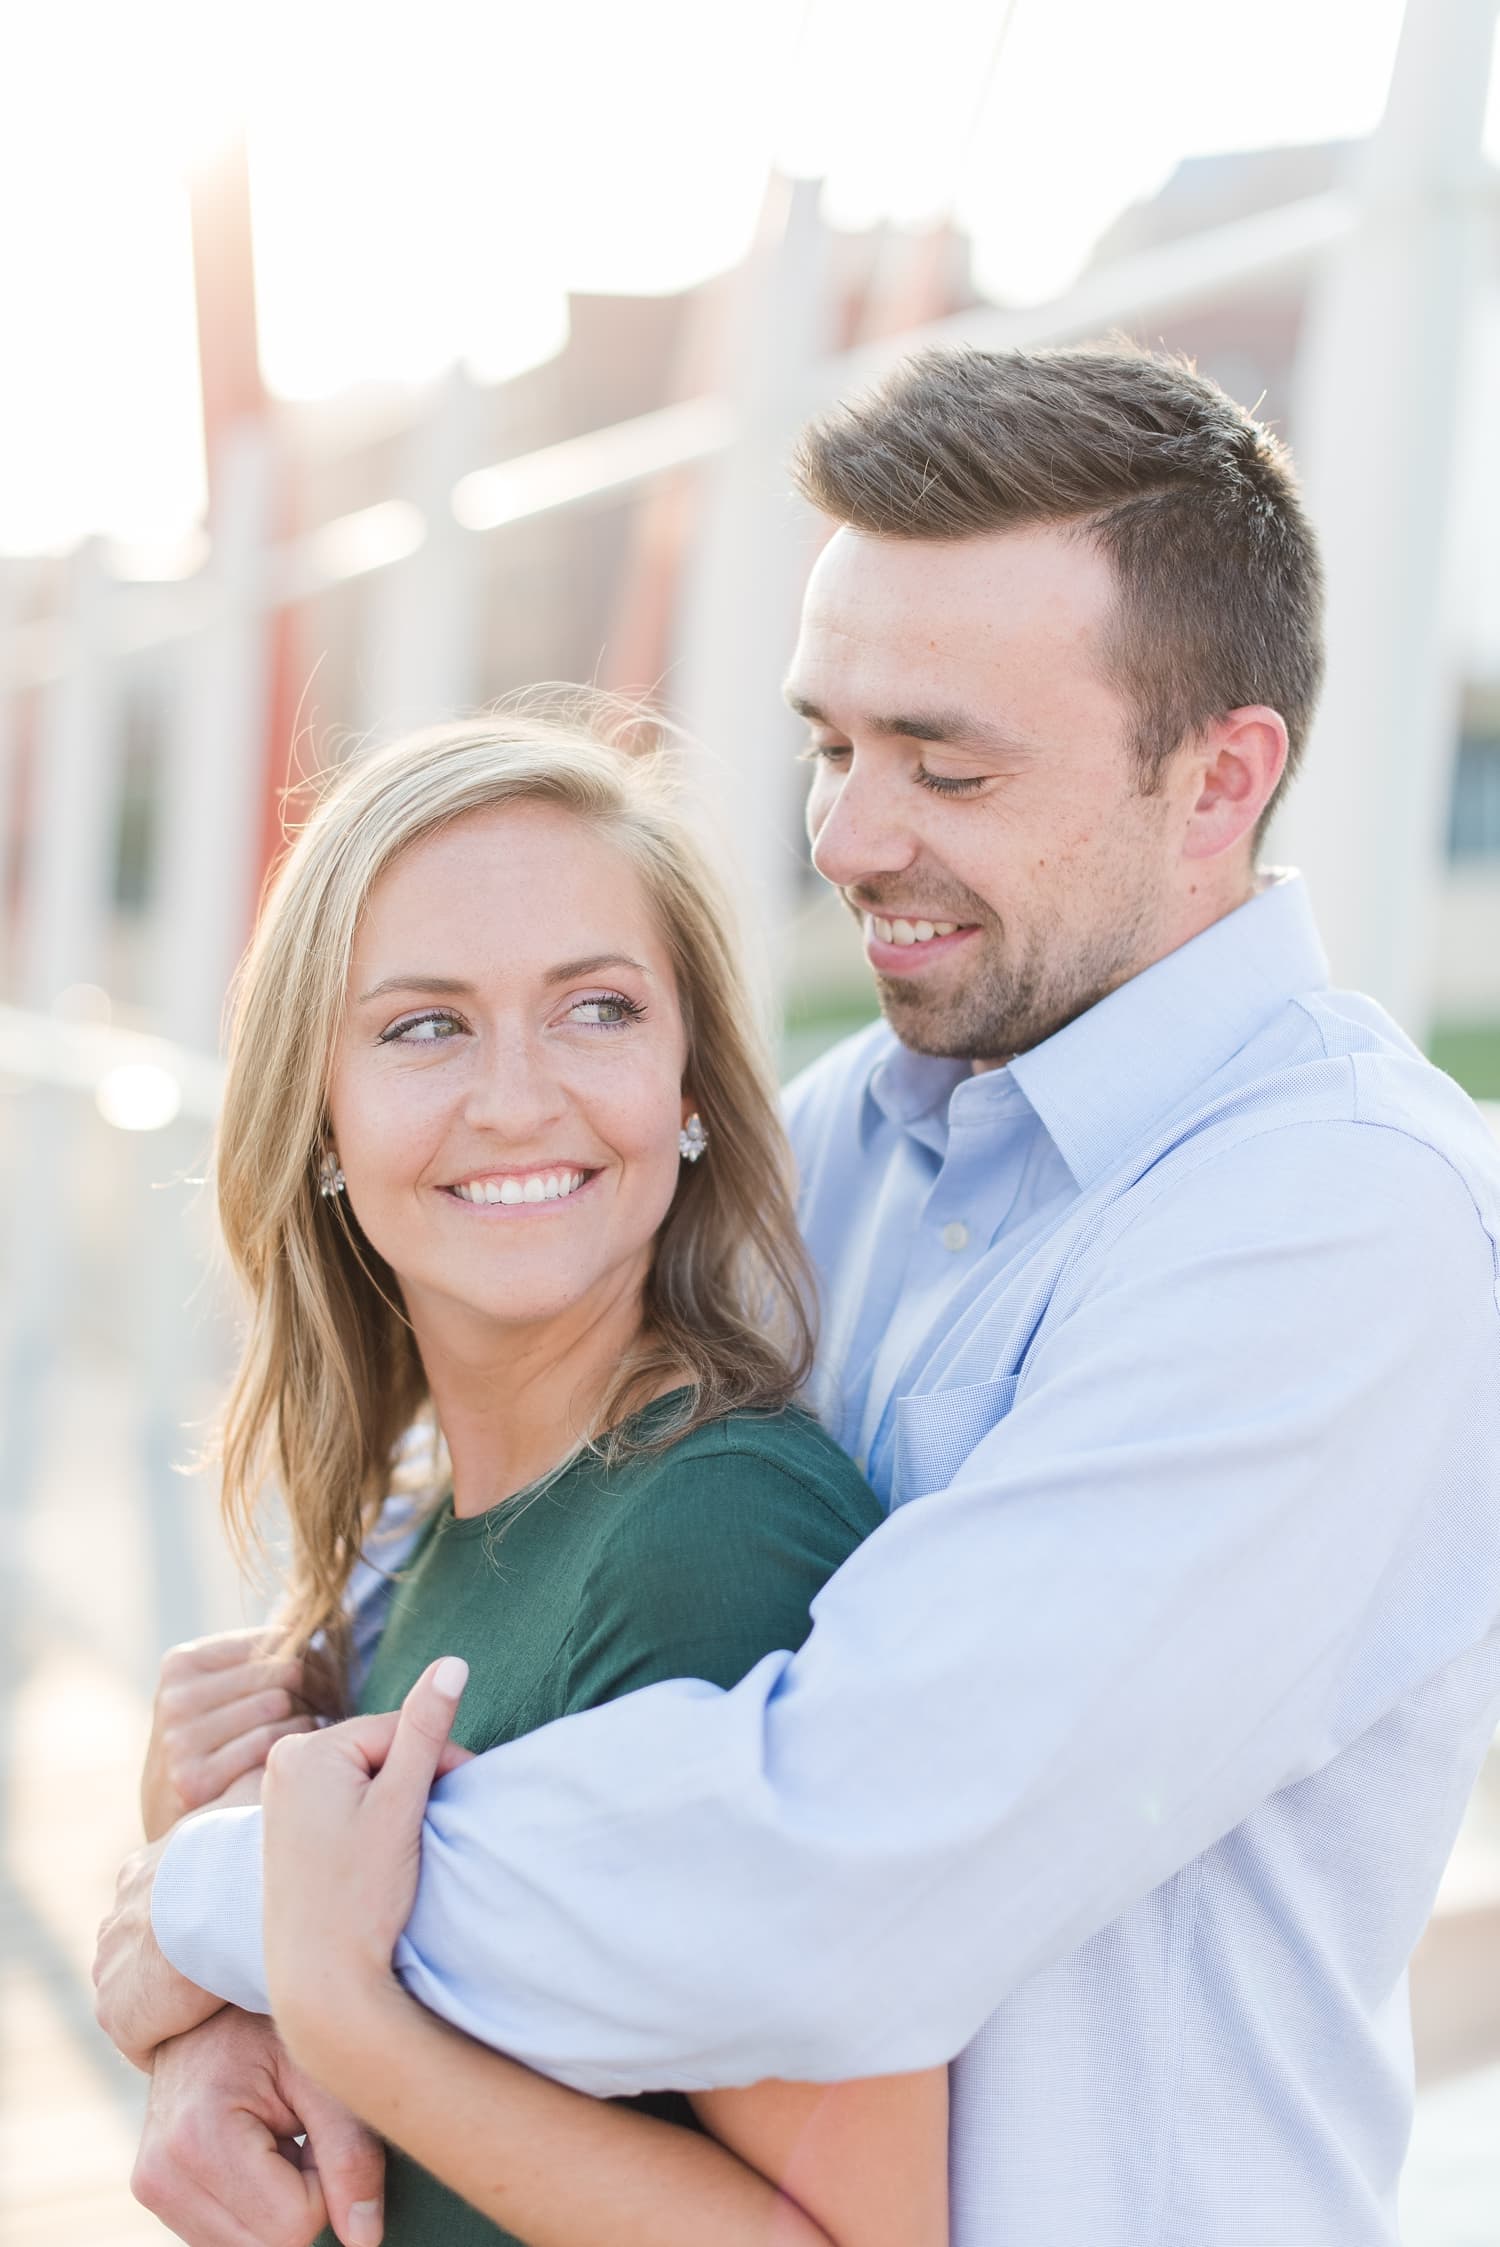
(1239, 759)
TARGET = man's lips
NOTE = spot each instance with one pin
(900, 953)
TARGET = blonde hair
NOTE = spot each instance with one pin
(330, 1380)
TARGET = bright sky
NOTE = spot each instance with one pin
(428, 180)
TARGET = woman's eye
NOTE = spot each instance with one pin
(422, 1029)
(609, 1012)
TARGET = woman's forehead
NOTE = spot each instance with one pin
(527, 877)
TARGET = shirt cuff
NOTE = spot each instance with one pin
(206, 1906)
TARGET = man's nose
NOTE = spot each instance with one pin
(855, 834)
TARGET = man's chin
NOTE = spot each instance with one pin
(926, 1028)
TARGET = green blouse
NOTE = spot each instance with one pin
(693, 1561)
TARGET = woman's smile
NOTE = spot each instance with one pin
(529, 1190)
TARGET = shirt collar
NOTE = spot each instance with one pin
(1100, 1081)
(1137, 1055)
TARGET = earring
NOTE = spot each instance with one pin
(330, 1177)
(692, 1139)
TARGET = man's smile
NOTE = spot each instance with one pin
(906, 947)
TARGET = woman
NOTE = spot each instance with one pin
(498, 1148)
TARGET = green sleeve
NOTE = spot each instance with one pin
(714, 1564)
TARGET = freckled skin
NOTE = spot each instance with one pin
(1070, 878)
(515, 1075)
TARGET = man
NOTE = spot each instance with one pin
(1160, 1281)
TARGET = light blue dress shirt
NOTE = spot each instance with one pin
(1124, 1759)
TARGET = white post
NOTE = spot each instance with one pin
(213, 769)
(419, 647)
(69, 851)
(10, 702)
(1379, 389)
(68, 858)
(743, 576)
(212, 778)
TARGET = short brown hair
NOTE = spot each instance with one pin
(1195, 504)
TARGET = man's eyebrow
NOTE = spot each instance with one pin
(954, 727)
(453, 987)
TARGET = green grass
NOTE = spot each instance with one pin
(1470, 1052)
(810, 1029)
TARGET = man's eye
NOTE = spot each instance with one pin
(941, 785)
(422, 1029)
(822, 752)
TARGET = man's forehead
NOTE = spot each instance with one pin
(901, 623)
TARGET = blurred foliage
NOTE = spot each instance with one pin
(812, 1026)
(1469, 1051)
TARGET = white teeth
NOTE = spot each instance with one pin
(543, 1186)
(910, 932)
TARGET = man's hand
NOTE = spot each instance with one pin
(217, 2162)
(220, 1704)
(140, 1998)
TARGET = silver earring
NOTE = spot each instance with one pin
(330, 1177)
(692, 1139)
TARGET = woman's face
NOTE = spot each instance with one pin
(507, 1090)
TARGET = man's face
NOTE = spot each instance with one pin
(976, 799)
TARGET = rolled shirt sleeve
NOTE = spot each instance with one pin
(1243, 1501)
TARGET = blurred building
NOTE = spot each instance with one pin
(1249, 344)
(365, 645)
(385, 612)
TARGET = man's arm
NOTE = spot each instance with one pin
(1244, 1502)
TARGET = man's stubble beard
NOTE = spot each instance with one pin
(1004, 1006)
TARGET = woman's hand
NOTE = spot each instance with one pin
(221, 1704)
(342, 1850)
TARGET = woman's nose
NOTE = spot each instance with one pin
(515, 1092)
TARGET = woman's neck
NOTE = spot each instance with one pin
(513, 1403)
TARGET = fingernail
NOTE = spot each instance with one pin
(451, 1676)
(365, 2226)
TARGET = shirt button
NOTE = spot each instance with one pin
(956, 1235)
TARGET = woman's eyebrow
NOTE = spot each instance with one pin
(453, 987)
(591, 965)
(446, 986)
